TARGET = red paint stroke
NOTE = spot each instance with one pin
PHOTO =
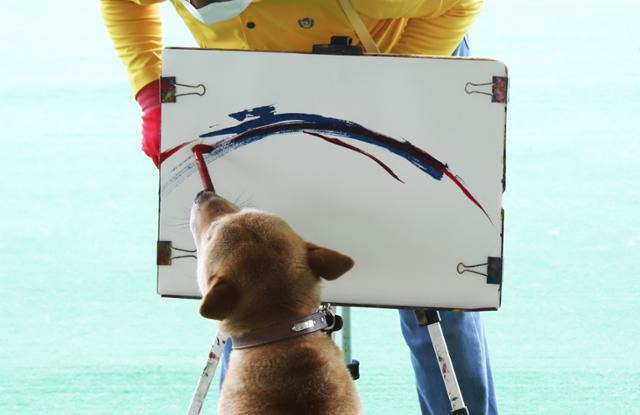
(213, 356)
(443, 169)
(453, 178)
(168, 153)
(202, 165)
(356, 149)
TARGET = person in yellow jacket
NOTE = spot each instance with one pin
(424, 27)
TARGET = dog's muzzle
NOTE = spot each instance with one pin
(200, 194)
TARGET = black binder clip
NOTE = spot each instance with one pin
(494, 270)
(340, 45)
(499, 89)
(165, 253)
(168, 91)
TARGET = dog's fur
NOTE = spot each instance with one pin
(255, 271)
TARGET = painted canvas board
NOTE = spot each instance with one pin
(396, 161)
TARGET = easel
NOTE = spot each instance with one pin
(427, 317)
(340, 45)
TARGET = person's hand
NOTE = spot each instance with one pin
(149, 100)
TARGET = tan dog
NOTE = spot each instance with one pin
(256, 273)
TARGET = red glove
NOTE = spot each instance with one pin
(149, 100)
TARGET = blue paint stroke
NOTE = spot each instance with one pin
(262, 122)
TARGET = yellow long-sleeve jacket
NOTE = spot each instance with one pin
(429, 27)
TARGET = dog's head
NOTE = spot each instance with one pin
(253, 268)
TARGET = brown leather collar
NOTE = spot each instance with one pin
(282, 331)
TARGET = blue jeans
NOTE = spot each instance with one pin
(467, 346)
(464, 334)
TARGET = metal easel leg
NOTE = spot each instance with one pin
(344, 323)
(431, 319)
(346, 334)
(207, 374)
(352, 364)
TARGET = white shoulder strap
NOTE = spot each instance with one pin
(358, 25)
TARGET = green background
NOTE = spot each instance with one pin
(82, 330)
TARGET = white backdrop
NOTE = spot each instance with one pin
(408, 238)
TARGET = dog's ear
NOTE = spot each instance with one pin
(327, 263)
(221, 299)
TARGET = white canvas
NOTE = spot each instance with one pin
(407, 231)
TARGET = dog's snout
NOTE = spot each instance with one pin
(201, 194)
(208, 206)
(195, 199)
